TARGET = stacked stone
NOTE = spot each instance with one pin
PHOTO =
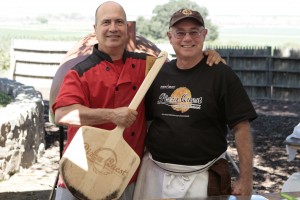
(22, 138)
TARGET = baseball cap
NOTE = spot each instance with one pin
(184, 14)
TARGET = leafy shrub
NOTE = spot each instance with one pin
(4, 99)
(4, 60)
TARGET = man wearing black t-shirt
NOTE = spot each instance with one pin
(191, 106)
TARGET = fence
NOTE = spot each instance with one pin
(265, 73)
(35, 62)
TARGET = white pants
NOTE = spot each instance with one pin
(65, 194)
(155, 182)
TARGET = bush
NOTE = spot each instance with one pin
(4, 60)
(4, 99)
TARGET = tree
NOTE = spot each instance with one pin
(158, 25)
(42, 19)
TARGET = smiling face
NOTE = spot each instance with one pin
(187, 38)
(111, 28)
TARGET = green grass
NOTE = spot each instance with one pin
(43, 33)
(38, 32)
(4, 100)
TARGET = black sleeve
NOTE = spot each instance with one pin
(238, 105)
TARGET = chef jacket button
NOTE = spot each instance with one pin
(117, 89)
(107, 68)
(133, 66)
(134, 87)
(132, 133)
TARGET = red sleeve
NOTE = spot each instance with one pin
(72, 91)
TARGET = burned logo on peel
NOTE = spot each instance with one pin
(104, 161)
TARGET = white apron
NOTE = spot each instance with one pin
(158, 180)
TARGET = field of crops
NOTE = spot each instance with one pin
(38, 32)
(281, 37)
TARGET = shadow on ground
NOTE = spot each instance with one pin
(28, 195)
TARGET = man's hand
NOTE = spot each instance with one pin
(213, 57)
(124, 116)
(242, 187)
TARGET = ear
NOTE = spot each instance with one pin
(128, 28)
(129, 31)
(169, 36)
(205, 31)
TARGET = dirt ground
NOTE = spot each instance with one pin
(276, 120)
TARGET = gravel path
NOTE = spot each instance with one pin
(275, 122)
(34, 183)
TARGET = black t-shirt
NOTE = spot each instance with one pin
(191, 110)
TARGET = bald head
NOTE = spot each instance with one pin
(111, 6)
(111, 29)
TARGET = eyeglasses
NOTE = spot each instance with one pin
(193, 34)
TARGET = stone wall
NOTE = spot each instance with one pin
(22, 139)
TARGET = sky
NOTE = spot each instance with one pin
(134, 8)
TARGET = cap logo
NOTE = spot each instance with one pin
(187, 12)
